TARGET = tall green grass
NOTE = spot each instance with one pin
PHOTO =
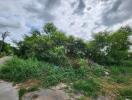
(117, 70)
(19, 70)
(88, 87)
(125, 94)
(121, 74)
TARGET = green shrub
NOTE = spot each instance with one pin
(120, 79)
(21, 93)
(57, 74)
(88, 87)
(127, 63)
(98, 71)
(58, 56)
(19, 70)
(125, 93)
(120, 74)
(117, 70)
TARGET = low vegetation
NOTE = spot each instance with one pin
(87, 87)
(125, 93)
(86, 80)
(23, 91)
(101, 66)
(20, 70)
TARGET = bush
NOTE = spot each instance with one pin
(21, 92)
(56, 75)
(58, 56)
(127, 63)
(120, 79)
(87, 87)
(119, 70)
(110, 48)
(125, 94)
(120, 74)
(19, 70)
(98, 71)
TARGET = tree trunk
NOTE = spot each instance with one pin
(1, 45)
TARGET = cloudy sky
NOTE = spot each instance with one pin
(75, 17)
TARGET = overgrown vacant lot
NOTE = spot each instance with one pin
(99, 68)
(91, 81)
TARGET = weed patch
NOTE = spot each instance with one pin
(87, 87)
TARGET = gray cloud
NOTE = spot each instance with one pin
(75, 17)
(84, 25)
(119, 12)
(72, 23)
(50, 4)
(45, 11)
(8, 25)
(80, 7)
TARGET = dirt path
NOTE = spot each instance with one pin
(46, 94)
(54, 93)
(7, 91)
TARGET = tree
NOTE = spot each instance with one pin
(99, 47)
(119, 44)
(35, 32)
(110, 48)
(49, 28)
(3, 36)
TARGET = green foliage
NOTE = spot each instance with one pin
(125, 94)
(98, 71)
(127, 62)
(121, 74)
(57, 74)
(2, 41)
(58, 54)
(54, 47)
(76, 47)
(120, 70)
(106, 48)
(88, 87)
(21, 92)
(49, 28)
(111, 48)
(6, 49)
(120, 79)
(70, 59)
(19, 70)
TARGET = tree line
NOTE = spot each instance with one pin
(54, 46)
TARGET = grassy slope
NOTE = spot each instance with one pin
(90, 81)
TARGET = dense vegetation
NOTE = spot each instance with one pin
(7, 49)
(95, 67)
(106, 48)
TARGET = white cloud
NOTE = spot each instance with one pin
(75, 17)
